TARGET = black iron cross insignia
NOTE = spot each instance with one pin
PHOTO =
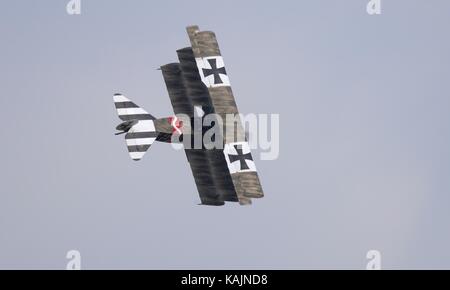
(240, 156)
(214, 71)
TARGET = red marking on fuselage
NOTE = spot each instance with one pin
(176, 124)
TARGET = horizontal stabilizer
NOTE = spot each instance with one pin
(138, 126)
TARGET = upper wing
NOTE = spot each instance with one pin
(211, 69)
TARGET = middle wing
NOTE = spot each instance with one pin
(211, 188)
(199, 97)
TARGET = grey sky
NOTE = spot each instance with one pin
(364, 104)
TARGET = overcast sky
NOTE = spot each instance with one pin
(364, 104)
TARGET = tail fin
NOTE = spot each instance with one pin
(138, 126)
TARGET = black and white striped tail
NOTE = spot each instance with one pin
(141, 133)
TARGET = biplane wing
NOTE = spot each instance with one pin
(199, 159)
(213, 75)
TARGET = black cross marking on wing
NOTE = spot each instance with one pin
(240, 156)
(214, 71)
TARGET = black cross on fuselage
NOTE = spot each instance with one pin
(214, 71)
(240, 156)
